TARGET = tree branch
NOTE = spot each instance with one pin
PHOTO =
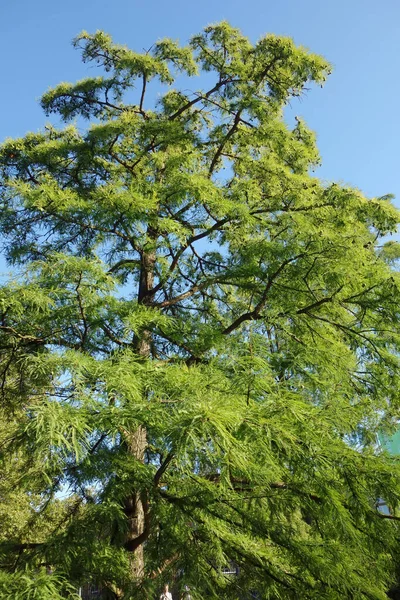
(255, 313)
(306, 309)
(224, 141)
(199, 98)
(185, 246)
(163, 468)
(142, 95)
(123, 263)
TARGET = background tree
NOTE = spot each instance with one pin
(206, 334)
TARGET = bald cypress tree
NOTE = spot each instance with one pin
(201, 340)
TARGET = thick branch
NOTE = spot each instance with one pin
(306, 309)
(199, 98)
(81, 310)
(184, 296)
(390, 517)
(132, 544)
(125, 262)
(255, 313)
(163, 468)
(224, 141)
(143, 94)
(194, 238)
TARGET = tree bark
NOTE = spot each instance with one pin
(135, 505)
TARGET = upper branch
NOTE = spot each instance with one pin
(182, 249)
(224, 141)
(255, 313)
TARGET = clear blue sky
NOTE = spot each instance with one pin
(356, 115)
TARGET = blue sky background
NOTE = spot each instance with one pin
(356, 115)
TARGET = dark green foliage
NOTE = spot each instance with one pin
(183, 274)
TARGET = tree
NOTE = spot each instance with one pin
(29, 512)
(205, 334)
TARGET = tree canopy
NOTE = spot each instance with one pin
(200, 342)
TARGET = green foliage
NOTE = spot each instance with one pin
(35, 586)
(187, 284)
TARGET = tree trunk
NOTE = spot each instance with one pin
(135, 505)
(134, 509)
